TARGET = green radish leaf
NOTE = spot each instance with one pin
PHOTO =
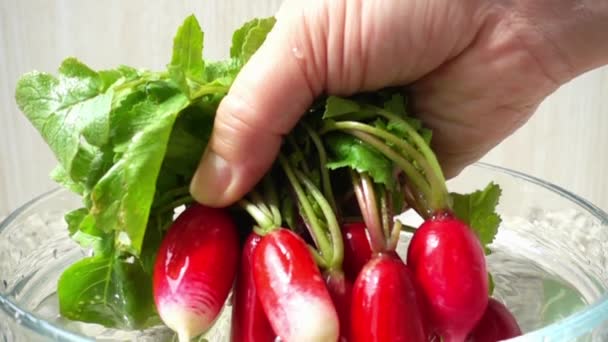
(123, 196)
(478, 210)
(247, 39)
(188, 140)
(74, 218)
(187, 66)
(152, 241)
(396, 105)
(111, 290)
(66, 110)
(427, 135)
(222, 72)
(89, 236)
(59, 175)
(399, 129)
(101, 162)
(82, 162)
(337, 106)
(122, 73)
(137, 111)
(348, 151)
(238, 38)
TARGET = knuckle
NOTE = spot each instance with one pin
(239, 131)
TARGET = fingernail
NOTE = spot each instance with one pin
(211, 180)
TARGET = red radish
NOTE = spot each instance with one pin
(449, 267)
(249, 322)
(292, 291)
(195, 269)
(385, 305)
(496, 324)
(340, 290)
(357, 250)
(385, 301)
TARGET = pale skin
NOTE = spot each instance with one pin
(477, 70)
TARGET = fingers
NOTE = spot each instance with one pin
(264, 103)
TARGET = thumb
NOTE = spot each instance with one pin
(264, 103)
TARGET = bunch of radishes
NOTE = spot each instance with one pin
(313, 269)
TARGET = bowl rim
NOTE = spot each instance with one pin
(583, 321)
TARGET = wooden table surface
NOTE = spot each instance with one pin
(565, 142)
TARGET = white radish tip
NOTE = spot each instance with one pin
(316, 321)
(184, 322)
(183, 336)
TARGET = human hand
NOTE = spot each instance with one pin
(476, 69)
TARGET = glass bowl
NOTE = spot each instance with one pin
(549, 263)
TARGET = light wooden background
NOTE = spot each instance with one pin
(566, 142)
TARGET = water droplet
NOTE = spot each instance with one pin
(297, 53)
(97, 297)
(123, 239)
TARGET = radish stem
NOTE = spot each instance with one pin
(272, 198)
(418, 140)
(298, 152)
(175, 204)
(404, 145)
(367, 203)
(319, 235)
(394, 237)
(440, 199)
(262, 219)
(438, 191)
(327, 190)
(332, 222)
(417, 201)
(384, 213)
(319, 260)
(261, 232)
(370, 194)
(434, 188)
(415, 176)
(258, 201)
(171, 194)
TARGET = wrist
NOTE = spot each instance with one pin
(572, 34)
